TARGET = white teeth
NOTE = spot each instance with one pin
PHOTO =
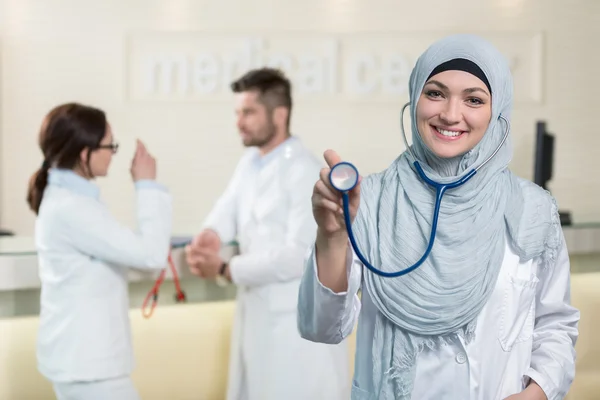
(448, 133)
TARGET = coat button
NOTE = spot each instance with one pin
(461, 358)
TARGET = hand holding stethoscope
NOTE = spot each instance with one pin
(327, 201)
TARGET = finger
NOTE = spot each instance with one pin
(354, 195)
(332, 158)
(204, 253)
(141, 145)
(142, 153)
(191, 259)
(195, 243)
(143, 156)
(138, 148)
(189, 250)
(195, 257)
(203, 250)
(196, 271)
(147, 154)
(355, 191)
(322, 189)
(329, 205)
(324, 176)
(215, 238)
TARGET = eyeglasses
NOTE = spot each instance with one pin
(113, 147)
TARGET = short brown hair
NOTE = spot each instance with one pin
(274, 88)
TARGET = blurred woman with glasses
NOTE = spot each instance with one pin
(84, 341)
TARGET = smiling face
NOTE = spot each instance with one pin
(453, 113)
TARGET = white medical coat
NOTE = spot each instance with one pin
(84, 331)
(527, 329)
(267, 207)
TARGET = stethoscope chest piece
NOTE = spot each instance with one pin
(343, 176)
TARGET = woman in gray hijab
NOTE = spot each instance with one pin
(487, 315)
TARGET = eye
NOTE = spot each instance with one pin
(433, 94)
(475, 101)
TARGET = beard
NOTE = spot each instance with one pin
(261, 137)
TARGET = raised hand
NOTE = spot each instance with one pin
(143, 165)
(327, 201)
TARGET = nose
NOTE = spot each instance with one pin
(451, 112)
(239, 123)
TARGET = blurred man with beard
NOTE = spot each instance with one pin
(267, 209)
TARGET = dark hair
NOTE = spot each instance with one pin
(275, 90)
(66, 131)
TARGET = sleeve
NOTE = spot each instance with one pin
(285, 262)
(325, 316)
(556, 330)
(223, 216)
(92, 230)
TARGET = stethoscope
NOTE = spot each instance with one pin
(344, 177)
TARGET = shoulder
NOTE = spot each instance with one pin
(58, 198)
(537, 231)
(63, 208)
(531, 188)
(297, 148)
(300, 161)
(374, 181)
(372, 185)
(538, 202)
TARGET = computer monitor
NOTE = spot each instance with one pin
(544, 164)
(544, 155)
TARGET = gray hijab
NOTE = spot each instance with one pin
(440, 301)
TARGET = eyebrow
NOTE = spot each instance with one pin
(468, 90)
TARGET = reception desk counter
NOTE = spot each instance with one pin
(18, 262)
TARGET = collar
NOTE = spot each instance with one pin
(67, 179)
(283, 147)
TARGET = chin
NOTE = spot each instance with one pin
(447, 153)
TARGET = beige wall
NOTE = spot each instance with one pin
(99, 52)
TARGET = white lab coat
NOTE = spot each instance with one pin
(84, 332)
(528, 329)
(267, 207)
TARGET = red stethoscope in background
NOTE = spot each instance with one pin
(153, 293)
